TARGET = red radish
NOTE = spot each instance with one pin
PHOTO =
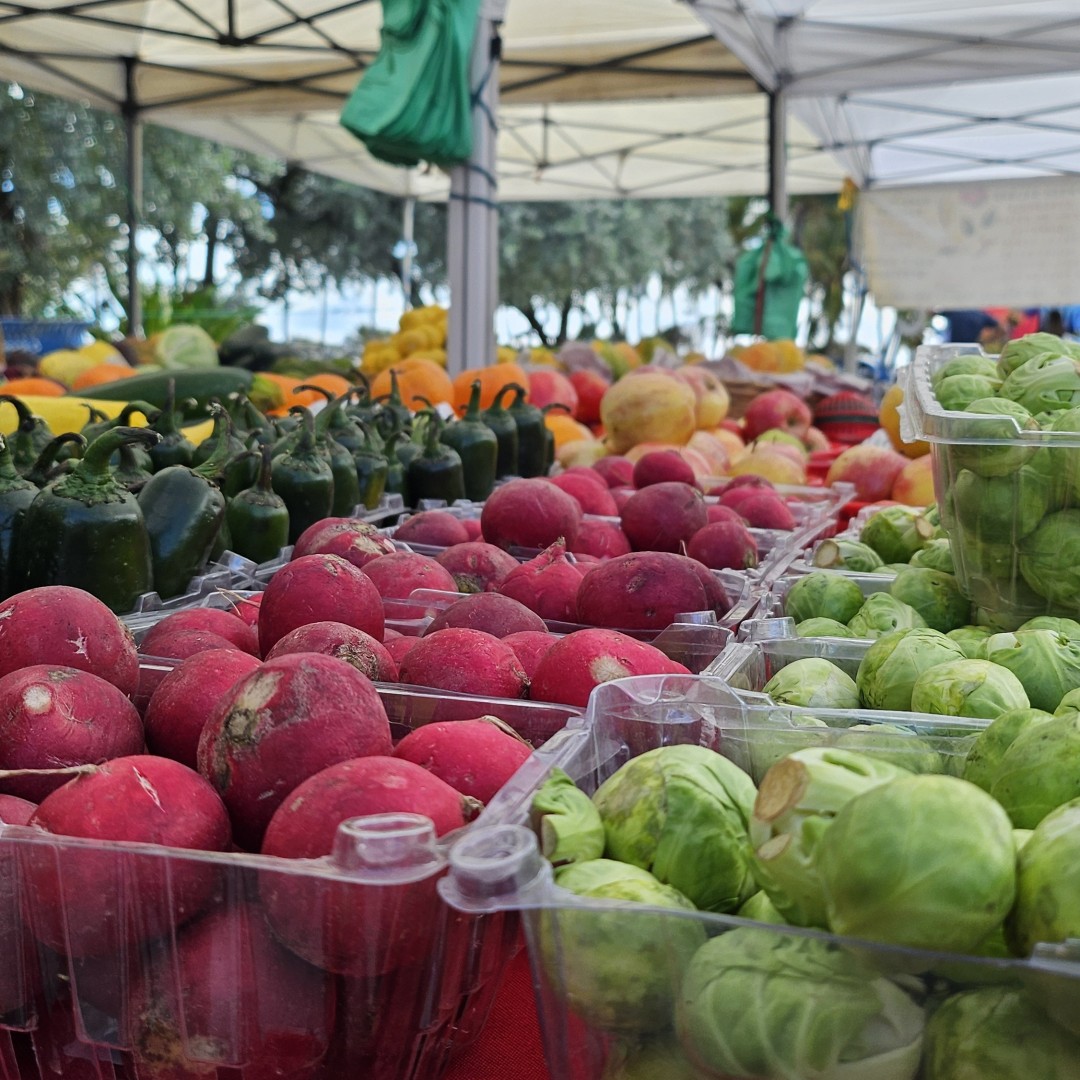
(476, 566)
(59, 625)
(576, 664)
(662, 466)
(279, 1017)
(644, 591)
(749, 480)
(389, 634)
(472, 527)
(590, 387)
(361, 650)
(734, 497)
(356, 548)
(312, 540)
(438, 528)
(765, 510)
(529, 513)
(180, 644)
(622, 496)
(464, 661)
(318, 588)
(345, 925)
(294, 716)
(493, 613)
(530, 646)
(398, 647)
(18, 973)
(663, 516)
(591, 493)
(475, 757)
(55, 717)
(547, 585)
(79, 900)
(247, 607)
(720, 512)
(603, 539)
(213, 620)
(724, 545)
(399, 575)
(615, 470)
(716, 597)
(548, 386)
(186, 698)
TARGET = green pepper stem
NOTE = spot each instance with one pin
(94, 464)
(26, 417)
(222, 453)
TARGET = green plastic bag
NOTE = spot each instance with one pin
(413, 103)
(770, 282)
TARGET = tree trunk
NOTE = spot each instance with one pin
(211, 249)
(534, 321)
(564, 315)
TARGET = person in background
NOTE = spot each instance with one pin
(969, 325)
(1064, 320)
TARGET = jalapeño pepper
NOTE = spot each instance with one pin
(30, 437)
(46, 468)
(477, 446)
(342, 465)
(86, 531)
(532, 433)
(372, 466)
(16, 494)
(175, 448)
(130, 471)
(393, 413)
(395, 467)
(238, 470)
(502, 423)
(436, 473)
(258, 519)
(302, 477)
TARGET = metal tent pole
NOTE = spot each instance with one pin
(408, 248)
(133, 167)
(778, 198)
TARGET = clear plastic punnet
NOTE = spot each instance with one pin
(630, 989)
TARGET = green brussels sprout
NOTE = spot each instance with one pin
(932, 514)
(566, 821)
(1048, 884)
(993, 429)
(1045, 662)
(893, 743)
(967, 364)
(1070, 703)
(681, 812)
(1040, 770)
(616, 967)
(973, 688)
(1022, 836)
(850, 555)
(996, 1033)
(823, 595)
(786, 733)
(1045, 383)
(891, 665)
(661, 1058)
(937, 555)
(822, 628)
(924, 861)
(972, 640)
(813, 683)
(992, 507)
(984, 758)
(896, 533)
(1049, 558)
(934, 595)
(761, 1003)
(957, 392)
(761, 909)
(1020, 350)
(1068, 627)
(988, 559)
(883, 614)
(798, 799)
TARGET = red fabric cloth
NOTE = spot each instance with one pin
(509, 1047)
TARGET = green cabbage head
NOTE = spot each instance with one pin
(891, 665)
(984, 758)
(972, 640)
(823, 628)
(972, 688)
(1046, 663)
(813, 683)
(994, 426)
(883, 614)
(823, 595)
(896, 533)
(1039, 770)
(1022, 349)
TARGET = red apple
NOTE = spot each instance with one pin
(872, 469)
(547, 386)
(590, 387)
(777, 409)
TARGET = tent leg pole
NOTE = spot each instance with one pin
(778, 197)
(408, 226)
(133, 163)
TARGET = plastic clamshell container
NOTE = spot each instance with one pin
(992, 513)
(174, 958)
(609, 975)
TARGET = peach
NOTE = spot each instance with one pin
(872, 469)
(914, 484)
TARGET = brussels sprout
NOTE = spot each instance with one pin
(813, 683)
(822, 628)
(849, 554)
(1040, 770)
(761, 1003)
(892, 743)
(566, 821)
(993, 428)
(972, 640)
(988, 559)
(681, 812)
(896, 533)
(1048, 884)
(761, 909)
(932, 514)
(892, 664)
(957, 392)
(934, 595)
(974, 688)
(924, 861)
(1068, 627)
(995, 507)
(1050, 558)
(967, 364)
(1022, 349)
(617, 967)
(984, 758)
(823, 595)
(882, 614)
(798, 799)
(1045, 383)
(937, 555)
(1069, 703)
(780, 738)
(997, 1033)
(1045, 662)
(661, 1058)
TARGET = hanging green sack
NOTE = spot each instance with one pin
(770, 282)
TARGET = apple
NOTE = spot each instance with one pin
(872, 469)
(732, 425)
(816, 439)
(712, 449)
(777, 409)
(731, 442)
(713, 400)
(548, 387)
(590, 387)
(771, 462)
(914, 484)
(779, 438)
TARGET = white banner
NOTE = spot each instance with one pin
(1006, 243)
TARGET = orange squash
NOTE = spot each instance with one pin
(492, 379)
(34, 385)
(416, 378)
(103, 373)
(566, 429)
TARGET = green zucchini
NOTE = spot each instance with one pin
(198, 386)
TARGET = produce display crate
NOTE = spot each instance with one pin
(991, 504)
(170, 963)
(608, 974)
